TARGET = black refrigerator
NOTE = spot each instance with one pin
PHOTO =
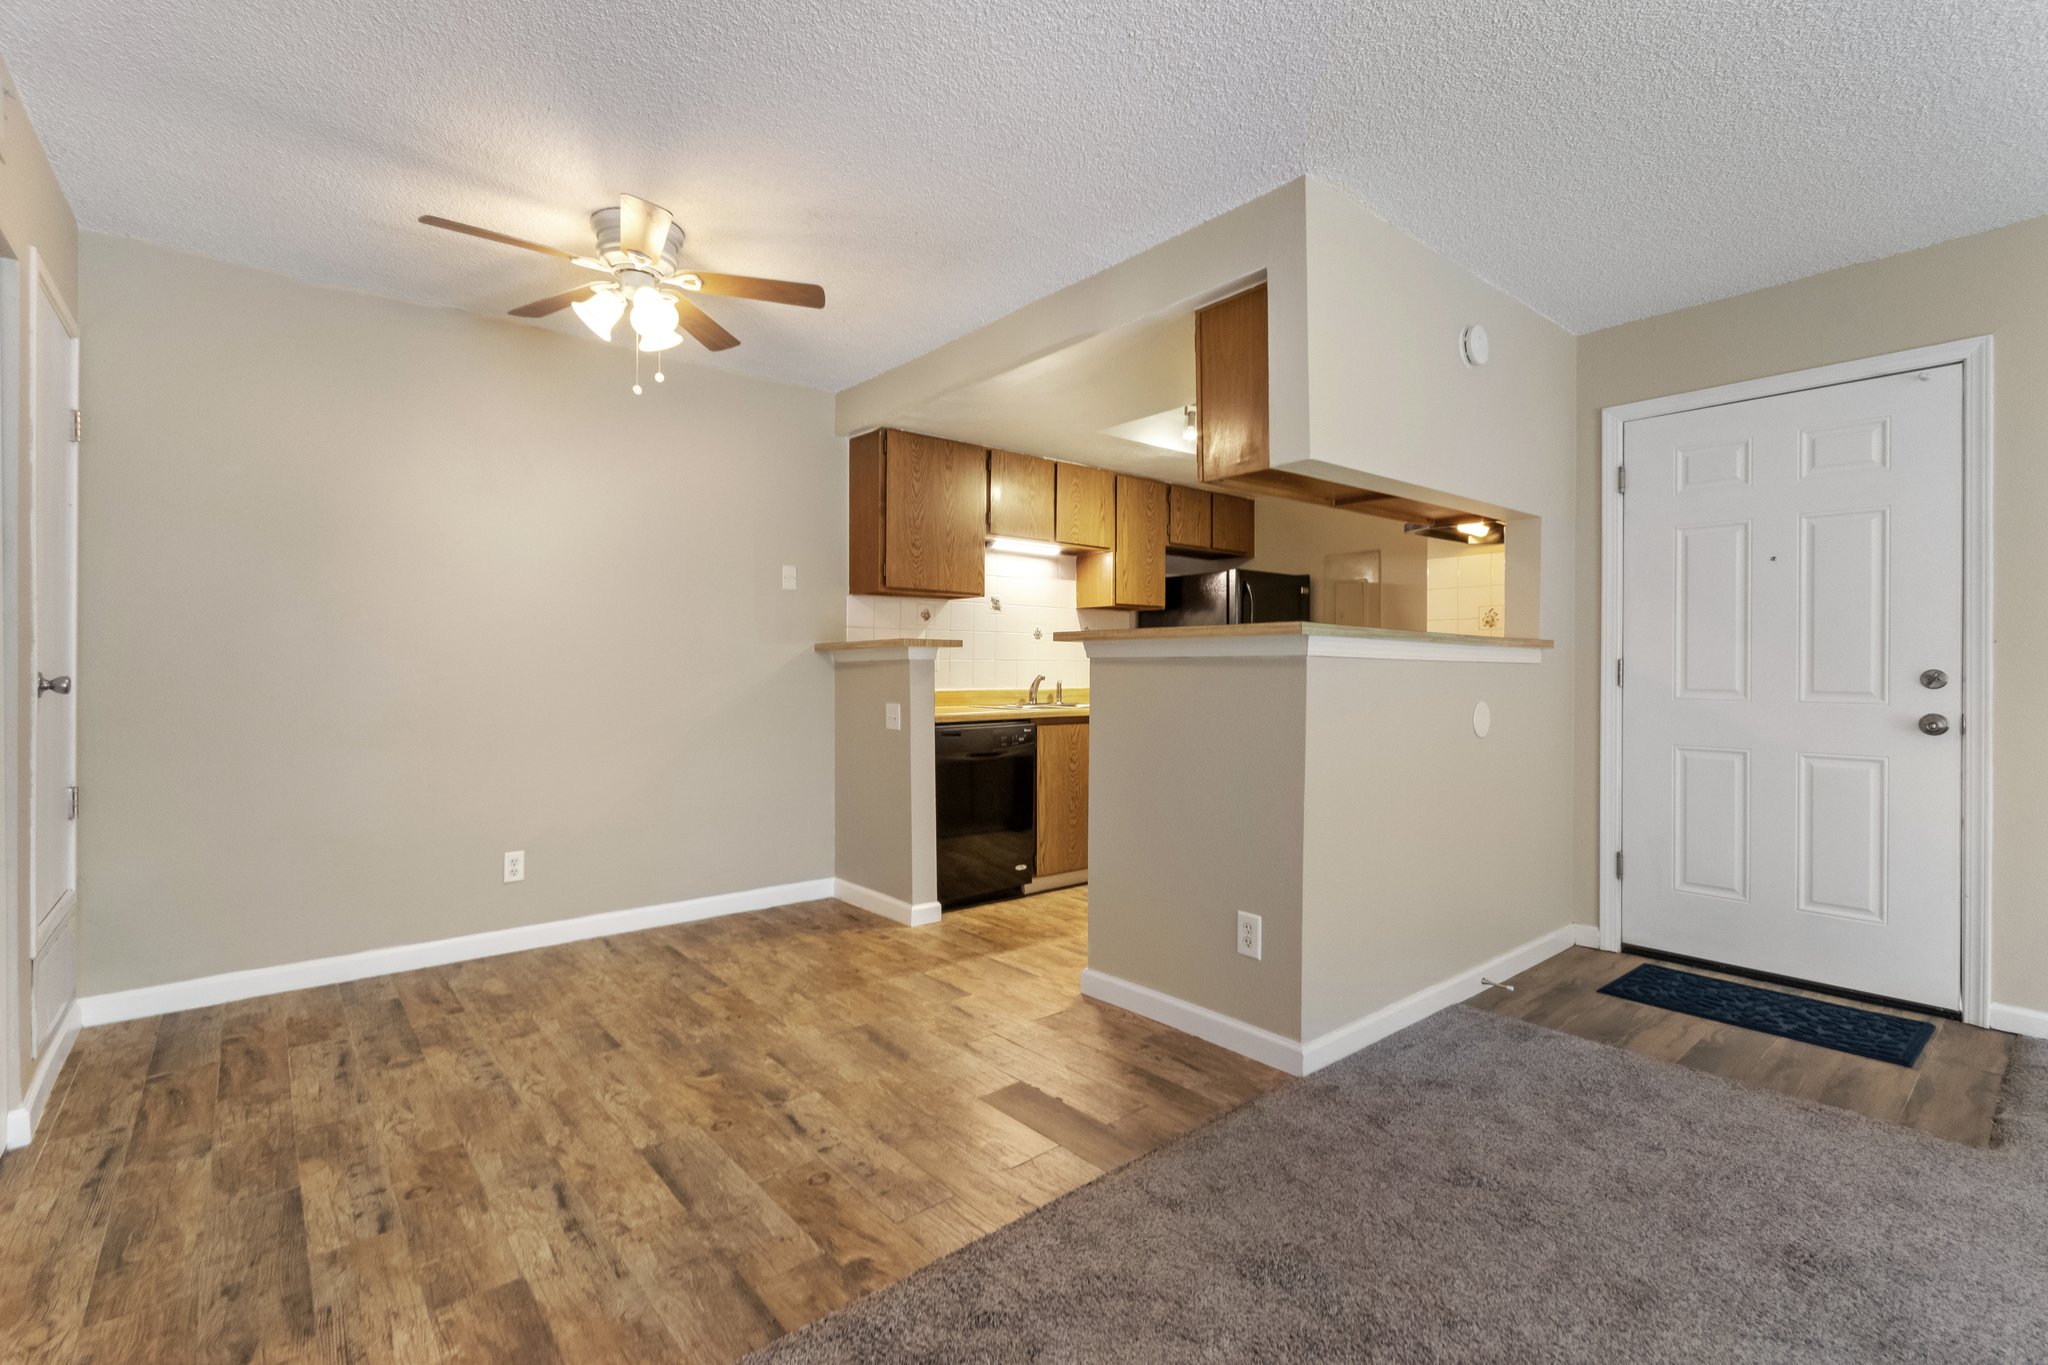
(1231, 597)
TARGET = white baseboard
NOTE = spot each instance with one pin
(22, 1120)
(887, 906)
(146, 1001)
(1586, 935)
(1339, 1043)
(2018, 1019)
(1297, 1058)
(1247, 1040)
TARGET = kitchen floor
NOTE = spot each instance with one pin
(671, 1145)
(1951, 1091)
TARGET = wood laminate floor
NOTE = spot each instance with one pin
(1951, 1091)
(671, 1145)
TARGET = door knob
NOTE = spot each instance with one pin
(61, 686)
(1932, 724)
(1934, 677)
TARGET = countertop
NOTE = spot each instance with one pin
(953, 707)
(905, 642)
(1300, 628)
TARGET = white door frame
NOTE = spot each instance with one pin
(1974, 354)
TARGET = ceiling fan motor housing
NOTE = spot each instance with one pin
(619, 253)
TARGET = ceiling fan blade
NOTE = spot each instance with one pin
(643, 227)
(470, 230)
(752, 287)
(704, 327)
(540, 308)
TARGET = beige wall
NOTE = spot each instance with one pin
(373, 593)
(33, 213)
(886, 811)
(1195, 813)
(1428, 850)
(1994, 283)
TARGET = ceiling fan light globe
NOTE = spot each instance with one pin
(654, 313)
(661, 342)
(601, 312)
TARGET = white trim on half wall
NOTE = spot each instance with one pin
(1298, 1058)
(881, 903)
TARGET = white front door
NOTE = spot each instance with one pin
(53, 553)
(1792, 598)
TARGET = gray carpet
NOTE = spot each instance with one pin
(1478, 1189)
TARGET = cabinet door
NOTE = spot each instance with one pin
(1020, 496)
(1187, 518)
(1230, 387)
(1140, 543)
(1062, 797)
(1085, 507)
(935, 516)
(1230, 524)
(1133, 575)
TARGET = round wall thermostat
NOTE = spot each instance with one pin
(1472, 344)
(1482, 719)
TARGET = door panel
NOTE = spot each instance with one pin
(53, 529)
(1791, 565)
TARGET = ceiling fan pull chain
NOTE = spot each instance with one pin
(636, 371)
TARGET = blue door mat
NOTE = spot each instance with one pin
(1863, 1033)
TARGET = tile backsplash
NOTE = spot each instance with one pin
(1467, 588)
(1007, 634)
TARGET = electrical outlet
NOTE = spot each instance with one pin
(892, 715)
(515, 866)
(789, 577)
(1248, 927)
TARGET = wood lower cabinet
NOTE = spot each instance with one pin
(918, 522)
(1133, 575)
(1230, 524)
(1020, 496)
(1062, 797)
(1084, 507)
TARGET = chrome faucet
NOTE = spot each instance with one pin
(1031, 697)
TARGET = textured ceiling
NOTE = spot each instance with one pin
(937, 165)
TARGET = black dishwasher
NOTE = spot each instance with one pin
(988, 791)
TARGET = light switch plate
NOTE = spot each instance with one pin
(892, 715)
(789, 578)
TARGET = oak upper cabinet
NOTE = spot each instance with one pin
(1187, 519)
(1133, 575)
(1204, 523)
(1020, 496)
(919, 515)
(1084, 507)
(1062, 797)
(1230, 387)
(1230, 524)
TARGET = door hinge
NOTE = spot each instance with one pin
(1617, 864)
(74, 804)
(1621, 478)
(1617, 672)
(77, 426)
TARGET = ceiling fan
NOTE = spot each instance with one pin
(637, 248)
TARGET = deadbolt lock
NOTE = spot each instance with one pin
(1934, 677)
